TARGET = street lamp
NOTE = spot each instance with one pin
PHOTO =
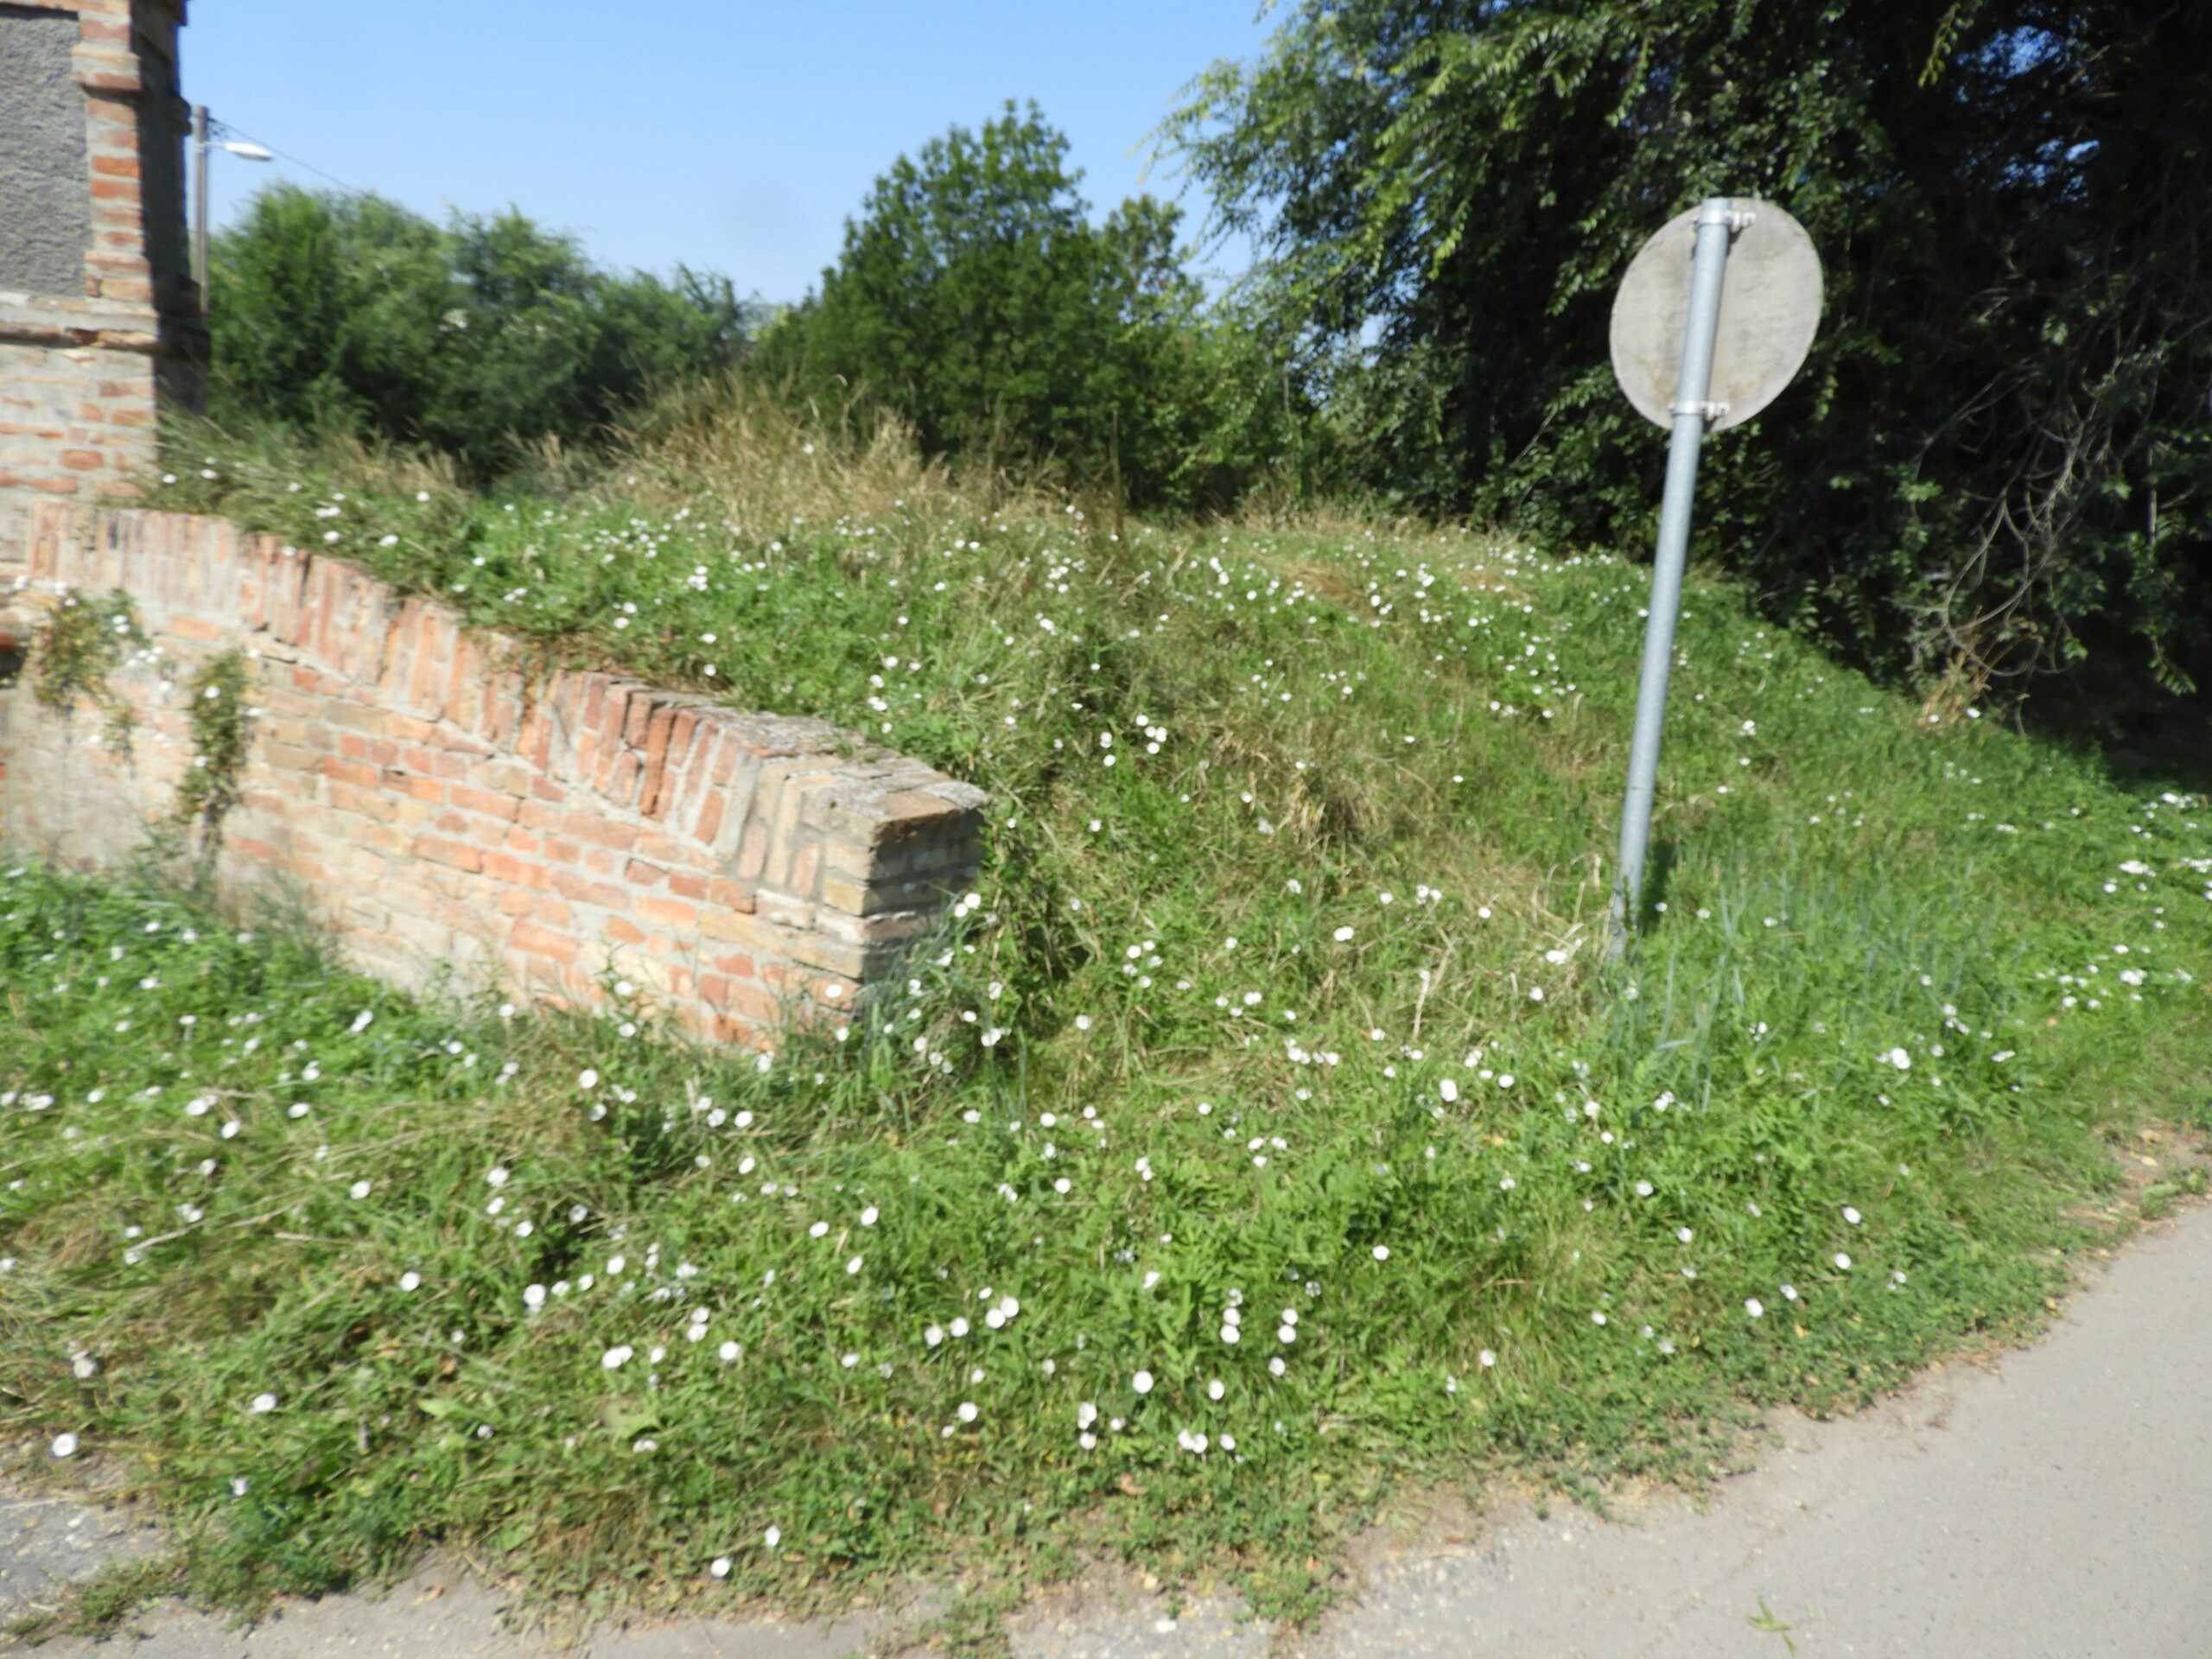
(239, 148)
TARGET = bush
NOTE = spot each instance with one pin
(975, 298)
(1998, 448)
(350, 314)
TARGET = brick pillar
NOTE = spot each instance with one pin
(100, 323)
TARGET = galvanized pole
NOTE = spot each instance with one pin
(200, 202)
(1717, 220)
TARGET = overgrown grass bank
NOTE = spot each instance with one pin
(1264, 1135)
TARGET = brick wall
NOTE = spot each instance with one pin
(440, 810)
(84, 365)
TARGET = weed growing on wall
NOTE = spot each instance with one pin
(84, 639)
(219, 716)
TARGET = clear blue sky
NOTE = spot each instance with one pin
(730, 134)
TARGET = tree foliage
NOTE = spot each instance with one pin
(974, 295)
(2000, 445)
(476, 337)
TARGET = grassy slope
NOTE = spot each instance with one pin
(1286, 963)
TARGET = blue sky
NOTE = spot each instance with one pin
(731, 135)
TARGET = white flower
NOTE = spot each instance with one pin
(1842, 1262)
(1489, 1358)
(728, 1352)
(1899, 1059)
(1381, 1252)
(1343, 935)
(616, 1358)
(1216, 1389)
(1851, 1214)
(719, 1566)
(65, 1446)
(1141, 1382)
(262, 1402)
(362, 1019)
(1754, 1307)
(868, 1216)
(773, 1536)
(1448, 1089)
(967, 1411)
(587, 1079)
(411, 1279)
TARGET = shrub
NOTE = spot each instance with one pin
(352, 313)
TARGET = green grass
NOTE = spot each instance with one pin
(1289, 997)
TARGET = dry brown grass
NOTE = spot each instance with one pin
(764, 464)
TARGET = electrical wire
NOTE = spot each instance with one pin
(225, 128)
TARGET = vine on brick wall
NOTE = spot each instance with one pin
(80, 644)
(220, 721)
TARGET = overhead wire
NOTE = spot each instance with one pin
(226, 129)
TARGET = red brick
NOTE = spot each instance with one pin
(83, 460)
(544, 941)
(458, 854)
(516, 873)
(668, 912)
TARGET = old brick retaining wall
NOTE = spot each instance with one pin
(440, 809)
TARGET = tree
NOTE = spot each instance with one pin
(1999, 442)
(476, 337)
(973, 295)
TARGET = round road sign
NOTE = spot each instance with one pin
(1770, 307)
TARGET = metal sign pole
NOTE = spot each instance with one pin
(1716, 221)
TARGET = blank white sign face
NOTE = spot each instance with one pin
(1770, 308)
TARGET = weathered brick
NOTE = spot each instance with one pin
(378, 781)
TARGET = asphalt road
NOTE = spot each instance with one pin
(2057, 1505)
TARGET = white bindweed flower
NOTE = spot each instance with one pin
(719, 1566)
(65, 1446)
(1754, 1306)
(773, 1536)
(261, 1403)
(1851, 1214)
(616, 1358)
(1141, 1382)
(1842, 1262)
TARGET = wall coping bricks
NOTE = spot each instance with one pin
(442, 812)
